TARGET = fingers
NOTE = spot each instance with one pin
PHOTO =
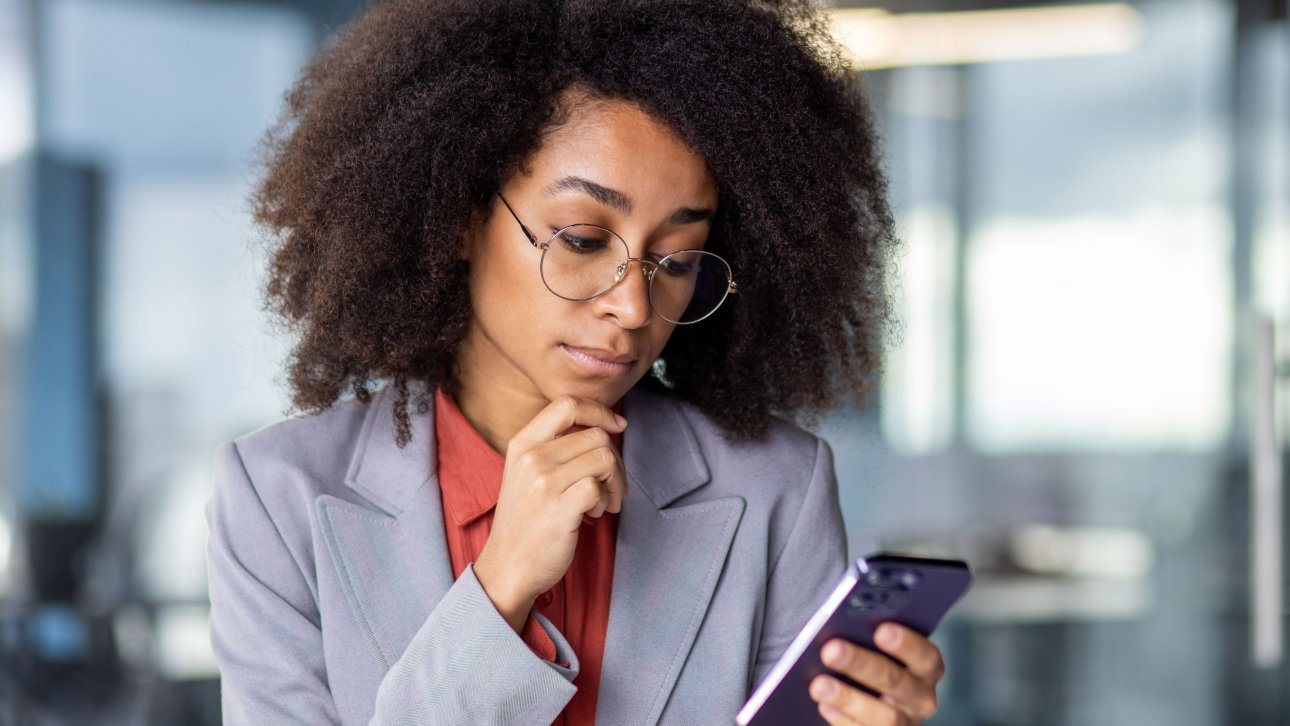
(914, 649)
(603, 467)
(564, 412)
(592, 449)
(560, 467)
(585, 496)
(586, 453)
(902, 689)
(841, 703)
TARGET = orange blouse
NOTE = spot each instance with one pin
(470, 479)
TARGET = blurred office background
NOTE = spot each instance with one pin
(1087, 400)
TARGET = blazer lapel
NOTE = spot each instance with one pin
(392, 561)
(666, 563)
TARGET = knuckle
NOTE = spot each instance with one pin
(588, 489)
(892, 677)
(859, 666)
(604, 457)
(544, 482)
(567, 403)
(598, 436)
(528, 459)
(878, 671)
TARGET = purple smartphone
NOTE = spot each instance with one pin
(913, 591)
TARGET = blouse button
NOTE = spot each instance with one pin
(545, 598)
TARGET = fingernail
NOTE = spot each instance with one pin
(829, 711)
(888, 636)
(834, 654)
(825, 688)
(621, 421)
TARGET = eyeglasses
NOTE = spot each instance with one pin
(585, 261)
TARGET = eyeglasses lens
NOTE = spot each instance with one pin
(584, 261)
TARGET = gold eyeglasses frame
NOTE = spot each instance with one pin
(648, 267)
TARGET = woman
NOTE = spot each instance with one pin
(600, 255)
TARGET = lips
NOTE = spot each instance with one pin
(589, 361)
(607, 356)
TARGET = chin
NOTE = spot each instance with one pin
(606, 391)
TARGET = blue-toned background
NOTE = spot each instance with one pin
(1087, 398)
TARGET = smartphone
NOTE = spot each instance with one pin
(913, 591)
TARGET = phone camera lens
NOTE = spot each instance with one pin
(858, 606)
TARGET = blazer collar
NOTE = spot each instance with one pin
(660, 451)
(378, 469)
(667, 560)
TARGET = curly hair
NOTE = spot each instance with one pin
(411, 116)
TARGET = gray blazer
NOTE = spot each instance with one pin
(333, 601)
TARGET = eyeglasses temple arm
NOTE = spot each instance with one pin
(527, 233)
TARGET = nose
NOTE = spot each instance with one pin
(628, 299)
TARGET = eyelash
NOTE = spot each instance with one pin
(656, 257)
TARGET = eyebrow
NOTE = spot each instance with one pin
(617, 200)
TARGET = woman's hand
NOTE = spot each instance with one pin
(551, 479)
(908, 694)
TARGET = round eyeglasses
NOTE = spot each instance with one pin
(585, 261)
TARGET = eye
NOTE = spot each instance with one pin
(582, 244)
(679, 265)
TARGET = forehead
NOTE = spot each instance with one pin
(618, 145)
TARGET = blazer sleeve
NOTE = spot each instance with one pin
(464, 665)
(809, 564)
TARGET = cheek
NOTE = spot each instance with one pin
(660, 332)
(508, 298)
